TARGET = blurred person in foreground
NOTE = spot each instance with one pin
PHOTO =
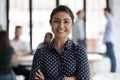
(21, 48)
(109, 38)
(6, 53)
(61, 59)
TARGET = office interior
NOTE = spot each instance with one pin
(34, 15)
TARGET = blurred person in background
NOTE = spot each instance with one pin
(109, 38)
(21, 48)
(78, 30)
(47, 40)
(6, 53)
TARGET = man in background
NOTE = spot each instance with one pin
(78, 31)
(21, 49)
(109, 38)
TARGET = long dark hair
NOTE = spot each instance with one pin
(4, 41)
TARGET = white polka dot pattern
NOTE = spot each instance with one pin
(72, 61)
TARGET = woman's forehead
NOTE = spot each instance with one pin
(60, 15)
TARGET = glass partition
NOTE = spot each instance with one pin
(95, 23)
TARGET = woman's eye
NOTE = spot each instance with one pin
(66, 21)
(56, 21)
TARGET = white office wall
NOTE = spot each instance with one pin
(3, 14)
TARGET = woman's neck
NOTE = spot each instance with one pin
(59, 44)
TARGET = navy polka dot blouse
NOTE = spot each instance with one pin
(72, 61)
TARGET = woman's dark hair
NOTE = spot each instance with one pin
(4, 41)
(62, 8)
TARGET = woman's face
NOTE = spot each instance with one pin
(61, 24)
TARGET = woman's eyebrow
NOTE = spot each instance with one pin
(63, 19)
(67, 19)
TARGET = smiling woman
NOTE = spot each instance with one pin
(61, 59)
(61, 23)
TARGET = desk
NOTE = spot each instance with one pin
(24, 60)
(27, 61)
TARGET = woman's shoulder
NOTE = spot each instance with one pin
(42, 50)
(10, 49)
(80, 49)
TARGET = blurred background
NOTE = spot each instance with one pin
(34, 16)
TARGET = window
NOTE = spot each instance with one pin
(95, 23)
(41, 15)
(19, 15)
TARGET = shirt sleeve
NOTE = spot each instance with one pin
(11, 50)
(110, 27)
(83, 71)
(35, 65)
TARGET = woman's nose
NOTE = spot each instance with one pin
(61, 25)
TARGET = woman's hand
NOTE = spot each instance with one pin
(39, 75)
(70, 78)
